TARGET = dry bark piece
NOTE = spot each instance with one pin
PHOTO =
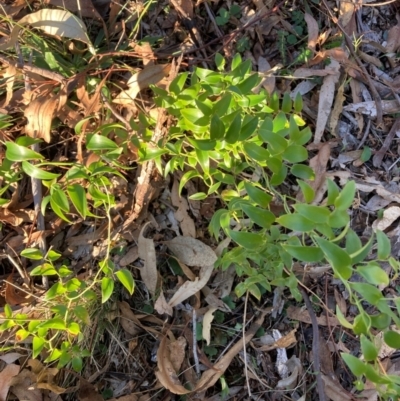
(390, 215)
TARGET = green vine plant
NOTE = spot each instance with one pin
(244, 144)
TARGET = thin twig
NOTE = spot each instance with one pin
(195, 356)
(315, 346)
(365, 136)
(244, 344)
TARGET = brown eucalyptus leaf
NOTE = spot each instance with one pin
(147, 252)
(6, 376)
(312, 27)
(191, 251)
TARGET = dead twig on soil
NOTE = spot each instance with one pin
(315, 345)
(378, 157)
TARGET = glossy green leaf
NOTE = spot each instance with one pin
(37, 346)
(307, 191)
(44, 270)
(55, 290)
(82, 314)
(126, 279)
(98, 142)
(107, 288)
(368, 348)
(247, 240)
(373, 273)
(302, 171)
(381, 321)
(384, 246)
(318, 214)
(338, 218)
(219, 61)
(392, 339)
(256, 152)
(249, 125)
(221, 107)
(248, 84)
(17, 153)
(60, 198)
(32, 253)
(333, 191)
(342, 319)
(362, 253)
(276, 143)
(73, 328)
(346, 196)
(298, 103)
(295, 154)
(295, 222)
(260, 197)
(337, 257)
(55, 323)
(233, 132)
(77, 363)
(279, 177)
(353, 242)
(309, 254)
(217, 128)
(37, 172)
(77, 195)
(355, 365)
(261, 217)
(8, 311)
(286, 103)
(369, 292)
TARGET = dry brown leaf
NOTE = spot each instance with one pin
(191, 251)
(24, 386)
(84, 7)
(6, 376)
(295, 367)
(145, 52)
(207, 320)
(127, 319)
(168, 378)
(334, 390)
(15, 296)
(309, 72)
(10, 357)
(9, 75)
(312, 27)
(326, 96)
(166, 373)
(337, 109)
(150, 75)
(177, 352)
(393, 40)
(87, 392)
(181, 215)
(284, 342)
(346, 12)
(147, 252)
(190, 288)
(268, 81)
(162, 306)
(39, 114)
(302, 315)
(12, 9)
(390, 215)
(369, 108)
(131, 256)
